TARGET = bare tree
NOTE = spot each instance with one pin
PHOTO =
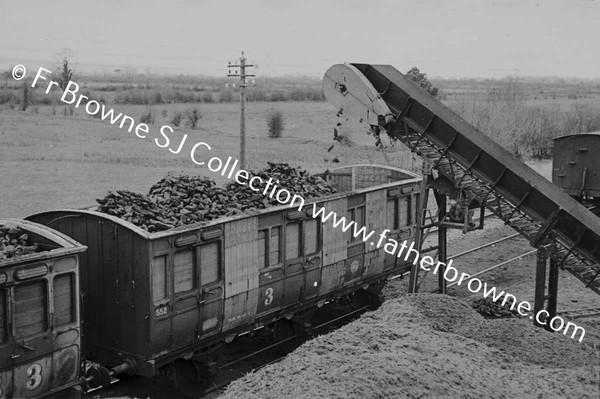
(25, 96)
(193, 116)
(64, 75)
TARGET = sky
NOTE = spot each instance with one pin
(449, 39)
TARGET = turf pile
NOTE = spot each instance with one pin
(493, 310)
(136, 208)
(15, 242)
(417, 346)
(191, 199)
(294, 180)
(181, 200)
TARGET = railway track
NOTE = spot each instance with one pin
(580, 313)
(482, 247)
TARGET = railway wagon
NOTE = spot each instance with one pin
(153, 298)
(575, 166)
(40, 337)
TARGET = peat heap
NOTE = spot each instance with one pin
(192, 199)
(181, 200)
(136, 208)
(15, 242)
(283, 176)
(416, 346)
(172, 202)
(493, 310)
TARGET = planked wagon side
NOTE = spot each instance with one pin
(152, 298)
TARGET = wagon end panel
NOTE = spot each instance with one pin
(574, 167)
(402, 206)
(113, 278)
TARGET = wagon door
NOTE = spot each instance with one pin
(197, 290)
(209, 255)
(313, 259)
(32, 349)
(185, 299)
(294, 262)
(356, 246)
(270, 262)
(400, 218)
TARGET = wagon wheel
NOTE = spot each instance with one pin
(287, 331)
(189, 377)
(98, 377)
(364, 299)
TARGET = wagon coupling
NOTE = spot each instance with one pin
(99, 376)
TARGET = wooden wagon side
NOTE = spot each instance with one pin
(40, 338)
(152, 298)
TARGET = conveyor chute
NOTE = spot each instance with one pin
(522, 198)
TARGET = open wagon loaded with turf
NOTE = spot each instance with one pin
(40, 337)
(164, 301)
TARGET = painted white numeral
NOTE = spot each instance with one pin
(34, 372)
(269, 294)
(161, 311)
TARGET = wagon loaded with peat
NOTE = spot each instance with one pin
(155, 301)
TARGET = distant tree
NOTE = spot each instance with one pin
(177, 118)
(25, 96)
(147, 117)
(64, 75)
(275, 123)
(226, 96)
(193, 116)
(421, 79)
(207, 98)
(7, 75)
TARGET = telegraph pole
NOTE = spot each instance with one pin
(243, 84)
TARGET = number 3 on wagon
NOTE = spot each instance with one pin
(269, 296)
(34, 372)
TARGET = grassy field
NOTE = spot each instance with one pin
(50, 162)
(52, 158)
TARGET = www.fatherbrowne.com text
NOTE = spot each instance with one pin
(451, 274)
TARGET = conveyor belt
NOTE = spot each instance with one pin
(523, 199)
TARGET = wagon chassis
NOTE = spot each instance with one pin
(373, 284)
